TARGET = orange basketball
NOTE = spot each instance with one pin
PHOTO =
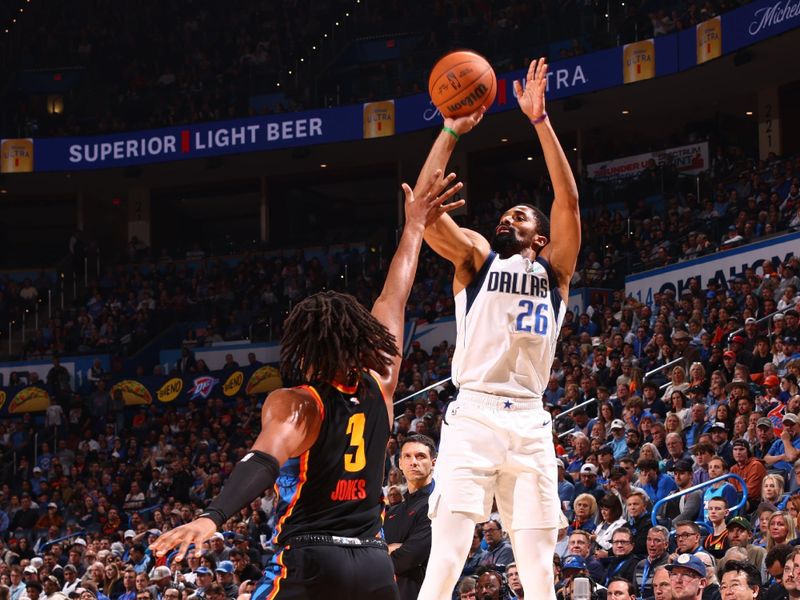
(461, 82)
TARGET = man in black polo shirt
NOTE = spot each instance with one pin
(407, 527)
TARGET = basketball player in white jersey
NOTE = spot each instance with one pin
(510, 302)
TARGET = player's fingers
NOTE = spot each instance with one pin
(444, 208)
(539, 66)
(517, 89)
(543, 80)
(532, 69)
(449, 193)
(162, 545)
(182, 550)
(441, 184)
(407, 191)
(436, 179)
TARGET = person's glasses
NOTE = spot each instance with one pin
(620, 542)
(683, 536)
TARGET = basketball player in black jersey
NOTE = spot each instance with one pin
(330, 435)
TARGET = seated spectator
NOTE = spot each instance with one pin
(657, 556)
(780, 530)
(656, 484)
(585, 512)
(499, 552)
(610, 520)
(580, 545)
(623, 561)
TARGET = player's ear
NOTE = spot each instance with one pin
(540, 241)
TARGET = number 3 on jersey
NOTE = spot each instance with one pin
(355, 461)
(539, 317)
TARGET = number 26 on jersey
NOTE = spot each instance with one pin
(532, 317)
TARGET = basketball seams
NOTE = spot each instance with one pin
(456, 94)
(464, 84)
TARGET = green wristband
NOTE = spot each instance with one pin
(451, 132)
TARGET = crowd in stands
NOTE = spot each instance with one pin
(112, 479)
(246, 297)
(128, 68)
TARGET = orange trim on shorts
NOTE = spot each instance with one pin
(277, 582)
(301, 480)
(316, 396)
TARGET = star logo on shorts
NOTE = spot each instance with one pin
(508, 404)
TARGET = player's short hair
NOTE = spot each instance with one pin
(542, 221)
(420, 439)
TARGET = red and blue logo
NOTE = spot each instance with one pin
(202, 387)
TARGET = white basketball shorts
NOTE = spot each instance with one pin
(493, 446)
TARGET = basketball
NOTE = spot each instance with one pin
(461, 82)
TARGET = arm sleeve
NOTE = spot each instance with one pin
(255, 473)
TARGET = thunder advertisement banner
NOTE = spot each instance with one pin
(690, 159)
(152, 390)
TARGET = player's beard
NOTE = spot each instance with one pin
(506, 244)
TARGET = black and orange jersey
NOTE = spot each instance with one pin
(335, 488)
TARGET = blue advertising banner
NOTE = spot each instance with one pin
(758, 21)
(603, 69)
(199, 140)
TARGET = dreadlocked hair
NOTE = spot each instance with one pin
(333, 335)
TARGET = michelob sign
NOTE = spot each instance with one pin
(16, 156)
(639, 61)
(378, 119)
(709, 40)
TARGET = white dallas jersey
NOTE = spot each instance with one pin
(508, 320)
